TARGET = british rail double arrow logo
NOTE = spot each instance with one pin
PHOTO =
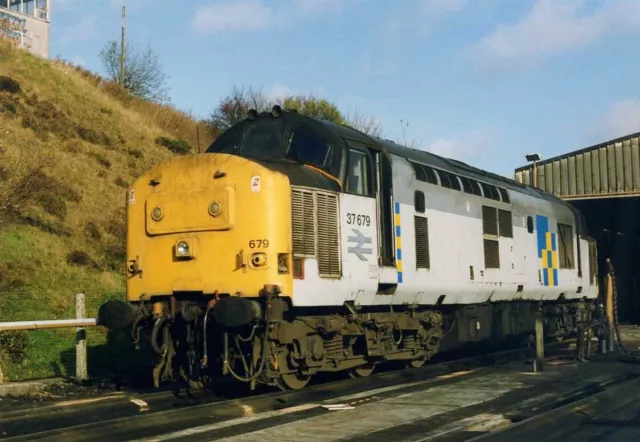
(360, 241)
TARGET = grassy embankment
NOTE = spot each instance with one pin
(70, 144)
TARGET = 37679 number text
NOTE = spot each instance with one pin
(359, 220)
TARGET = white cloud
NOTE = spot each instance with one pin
(319, 5)
(551, 27)
(623, 118)
(257, 15)
(444, 6)
(468, 147)
(243, 15)
(278, 92)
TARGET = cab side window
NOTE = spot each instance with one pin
(358, 179)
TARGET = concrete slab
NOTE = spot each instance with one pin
(20, 389)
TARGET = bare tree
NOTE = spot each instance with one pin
(234, 107)
(143, 74)
(369, 125)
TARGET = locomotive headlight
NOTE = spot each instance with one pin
(182, 248)
(215, 208)
(157, 213)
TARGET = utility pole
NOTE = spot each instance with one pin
(122, 49)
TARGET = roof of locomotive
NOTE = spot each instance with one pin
(430, 159)
(446, 164)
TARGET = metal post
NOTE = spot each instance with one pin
(81, 342)
(539, 362)
(122, 47)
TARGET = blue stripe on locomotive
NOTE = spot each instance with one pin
(547, 251)
(396, 219)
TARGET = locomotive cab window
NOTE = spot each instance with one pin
(307, 147)
(358, 181)
(530, 224)
(263, 139)
(565, 246)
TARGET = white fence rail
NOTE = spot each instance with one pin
(80, 323)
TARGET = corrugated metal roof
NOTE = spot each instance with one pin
(609, 169)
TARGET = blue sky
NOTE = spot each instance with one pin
(482, 81)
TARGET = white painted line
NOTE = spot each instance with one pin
(229, 423)
(250, 417)
(479, 422)
(395, 387)
(389, 413)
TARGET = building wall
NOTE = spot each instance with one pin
(25, 32)
(610, 169)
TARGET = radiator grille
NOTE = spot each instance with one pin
(303, 222)
(328, 241)
(506, 223)
(490, 234)
(422, 242)
(489, 220)
(491, 254)
(315, 229)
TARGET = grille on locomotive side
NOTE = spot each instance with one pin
(303, 223)
(328, 242)
(490, 233)
(315, 229)
(422, 242)
(491, 254)
(505, 223)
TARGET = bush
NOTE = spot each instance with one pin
(8, 84)
(121, 183)
(14, 344)
(82, 259)
(92, 231)
(179, 147)
(104, 161)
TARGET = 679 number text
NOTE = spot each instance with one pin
(258, 243)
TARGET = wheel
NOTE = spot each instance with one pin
(292, 381)
(362, 371)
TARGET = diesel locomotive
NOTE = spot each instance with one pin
(295, 246)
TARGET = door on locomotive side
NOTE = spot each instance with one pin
(365, 211)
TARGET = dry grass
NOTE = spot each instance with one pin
(70, 144)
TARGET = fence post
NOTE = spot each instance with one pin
(1, 375)
(81, 342)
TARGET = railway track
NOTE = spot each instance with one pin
(126, 416)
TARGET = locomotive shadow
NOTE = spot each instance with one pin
(116, 363)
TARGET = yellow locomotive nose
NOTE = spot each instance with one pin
(210, 224)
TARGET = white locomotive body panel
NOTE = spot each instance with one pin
(528, 249)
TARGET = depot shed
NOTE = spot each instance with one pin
(603, 182)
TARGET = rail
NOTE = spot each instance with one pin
(80, 322)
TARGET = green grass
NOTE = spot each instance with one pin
(70, 146)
